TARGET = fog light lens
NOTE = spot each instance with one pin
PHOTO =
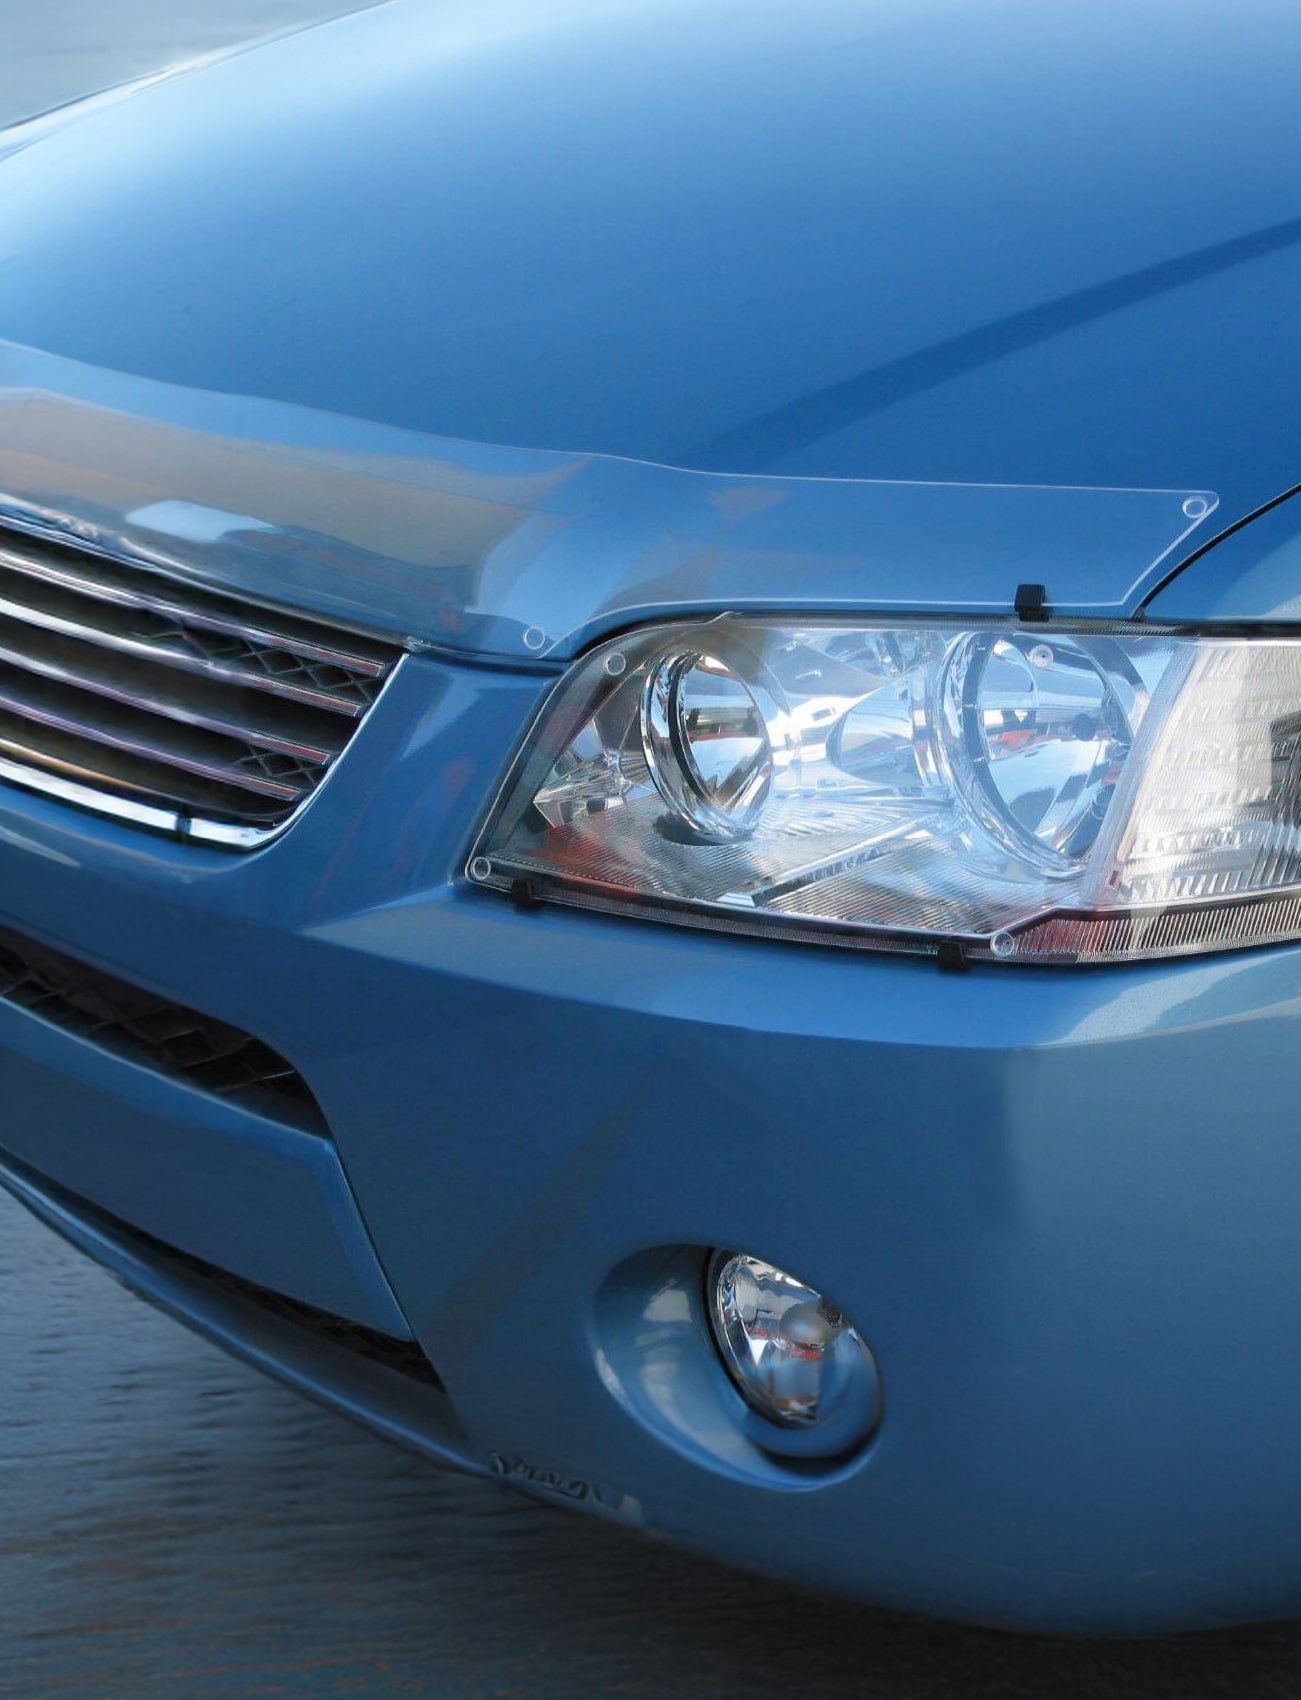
(793, 1354)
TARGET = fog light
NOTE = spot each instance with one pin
(795, 1357)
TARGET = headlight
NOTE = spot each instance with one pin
(1032, 793)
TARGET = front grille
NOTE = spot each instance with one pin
(155, 1032)
(184, 709)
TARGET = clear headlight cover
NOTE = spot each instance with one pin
(1035, 793)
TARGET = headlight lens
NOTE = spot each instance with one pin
(1038, 793)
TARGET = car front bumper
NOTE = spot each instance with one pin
(1060, 1205)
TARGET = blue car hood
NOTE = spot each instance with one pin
(828, 260)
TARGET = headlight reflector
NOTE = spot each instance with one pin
(1037, 734)
(706, 741)
(1036, 793)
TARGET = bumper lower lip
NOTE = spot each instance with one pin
(376, 1378)
(1060, 1206)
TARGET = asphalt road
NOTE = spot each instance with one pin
(172, 1525)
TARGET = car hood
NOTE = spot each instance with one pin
(818, 252)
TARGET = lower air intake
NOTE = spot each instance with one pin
(155, 1033)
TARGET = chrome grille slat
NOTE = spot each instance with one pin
(151, 794)
(110, 731)
(163, 652)
(60, 662)
(170, 705)
(196, 608)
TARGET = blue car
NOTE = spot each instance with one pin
(650, 763)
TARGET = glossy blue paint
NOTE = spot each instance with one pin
(363, 322)
(1006, 243)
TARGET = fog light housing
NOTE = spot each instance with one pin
(798, 1362)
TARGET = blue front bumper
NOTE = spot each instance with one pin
(1060, 1205)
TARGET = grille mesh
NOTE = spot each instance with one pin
(177, 707)
(155, 1032)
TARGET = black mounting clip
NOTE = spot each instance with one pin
(1031, 604)
(951, 958)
